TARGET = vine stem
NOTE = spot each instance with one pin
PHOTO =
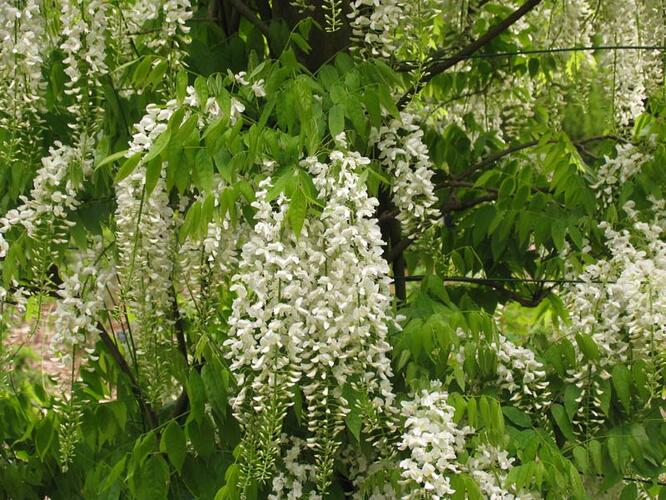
(124, 367)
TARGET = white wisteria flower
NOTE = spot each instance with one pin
(53, 194)
(313, 309)
(433, 441)
(406, 158)
(621, 301)
(614, 172)
(82, 299)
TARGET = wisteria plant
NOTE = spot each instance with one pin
(371, 249)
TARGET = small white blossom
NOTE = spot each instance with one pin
(433, 441)
(258, 88)
(313, 310)
(614, 172)
(406, 159)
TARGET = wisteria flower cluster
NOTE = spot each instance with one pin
(620, 303)
(614, 172)
(405, 156)
(434, 442)
(83, 295)
(238, 251)
(301, 316)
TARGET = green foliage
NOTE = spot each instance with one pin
(520, 210)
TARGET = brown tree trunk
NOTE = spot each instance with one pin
(324, 44)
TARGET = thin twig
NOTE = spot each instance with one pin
(124, 367)
(495, 157)
(440, 66)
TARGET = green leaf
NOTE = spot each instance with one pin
(128, 167)
(152, 480)
(215, 385)
(201, 435)
(506, 188)
(297, 211)
(44, 436)
(571, 400)
(560, 416)
(588, 347)
(387, 101)
(203, 171)
(558, 232)
(230, 490)
(629, 492)
(153, 171)
(594, 449)
(114, 474)
(618, 450)
(112, 158)
(336, 119)
(173, 443)
(143, 447)
(181, 85)
(517, 417)
(201, 90)
(191, 222)
(580, 456)
(622, 384)
(354, 422)
(197, 394)
(159, 145)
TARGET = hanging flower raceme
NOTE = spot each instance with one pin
(433, 442)
(44, 213)
(521, 374)
(205, 264)
(170, 34)
(405, 158)
(82, 300)
(311, 310)
(350, 306)
(53, 193)
(145, 241)
(296, 477)
(374, 25)
(489, 466)
(267, 330)
(22, 50)
(84, 28)
(614, 172)
(622, 299)
(630, 68)
(398, 28)
(619, 306)
(22, 45)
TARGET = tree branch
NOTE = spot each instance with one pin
(179, 323)
(398, 261)
(441, 66)
(124, 367)
(533, 301)
(457, 206)
(250, 15)
(497, 156)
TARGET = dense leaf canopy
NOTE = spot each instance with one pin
(352, 248)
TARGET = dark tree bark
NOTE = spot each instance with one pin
(325, 45)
